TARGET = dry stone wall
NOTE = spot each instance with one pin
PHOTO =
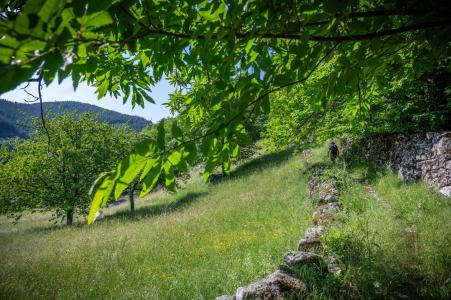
(414, 157)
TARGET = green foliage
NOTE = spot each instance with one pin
(55, 172)
(226, 58)
(407, 105)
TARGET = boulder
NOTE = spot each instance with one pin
(311, 241)
(446, 191)
(314, 185)
(275, 286)
(328, 192)
(332, 264)
(296, 259)
(225, 297)
(325, 212)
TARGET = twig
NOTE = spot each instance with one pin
(42, 107)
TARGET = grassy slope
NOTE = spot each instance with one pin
(208, 240)
(200, 243)
(393, 240)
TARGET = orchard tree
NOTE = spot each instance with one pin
(54, 172)
(225, 58)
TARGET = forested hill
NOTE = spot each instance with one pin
(11, 113)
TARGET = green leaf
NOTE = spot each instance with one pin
(176, 132)
(265, 105)
(226, 159)
(161, 135)
(249, 45)
(145, 147)
(95, 20)
(149, 165)
(252, 56)
(98, 179)
(151, 178)
(207, 145)
(127, 170)
(13, 75)
(282, 79)
(81, 50)
(213, 14)
(147, 97)
(189, 152)
(169, 177)
(102, 89)
(48, 10)
(145, 60)
(182, 166)
(209, 167)
(235, 150)
(175, 158)
(101, 196)
(52, 63)
(96, 5)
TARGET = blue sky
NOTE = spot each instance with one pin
(85, 93)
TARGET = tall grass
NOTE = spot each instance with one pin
(207, 240)
(202, 242)
(402, 249)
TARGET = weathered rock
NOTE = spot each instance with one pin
(272, 287)
(325, 198)
(332, 264)
(309, 245)
(325, 212)
(310, 241)
(446, 190)
(313, 186)
(328, 192)
(314, 232)
(296, 259)
(225, 297)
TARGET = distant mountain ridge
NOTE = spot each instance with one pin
(12, 112)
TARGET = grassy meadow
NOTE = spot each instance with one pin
(204, 241)
(208, 239)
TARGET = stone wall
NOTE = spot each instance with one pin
(414, 157)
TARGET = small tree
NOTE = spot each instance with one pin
(55, 172)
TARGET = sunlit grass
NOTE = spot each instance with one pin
(395, 250)
(202, 242)
(209, 239)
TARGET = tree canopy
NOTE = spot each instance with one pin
(55, 172)
(225, 58)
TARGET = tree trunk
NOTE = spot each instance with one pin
(132, 200)
(69, 217)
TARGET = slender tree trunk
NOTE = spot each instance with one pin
(131, 196)
(69, 217)
(222, 165)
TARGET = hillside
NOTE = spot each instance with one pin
(11, 113)
(209, 239)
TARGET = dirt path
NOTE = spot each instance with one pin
(378, 197)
